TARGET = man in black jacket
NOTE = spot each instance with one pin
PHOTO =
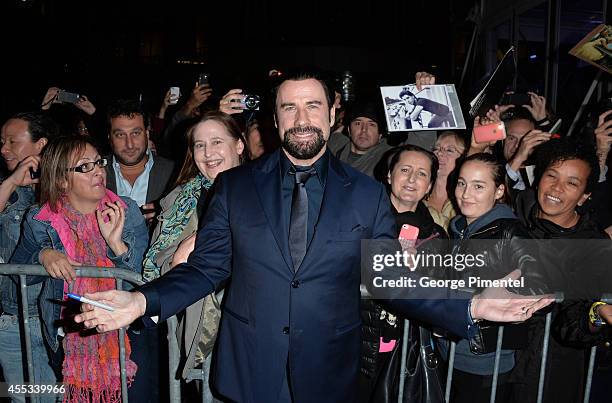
(133, 170)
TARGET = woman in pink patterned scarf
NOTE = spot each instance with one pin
(81, 223)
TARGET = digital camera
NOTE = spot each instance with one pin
(69, 97)
(251, 102)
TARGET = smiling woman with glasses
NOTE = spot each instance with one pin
(81, 223)
(449, 147)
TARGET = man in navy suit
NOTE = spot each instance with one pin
(290, 329)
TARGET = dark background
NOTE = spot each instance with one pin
(124, 48)
(116, 48)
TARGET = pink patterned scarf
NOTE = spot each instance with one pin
(91, 363)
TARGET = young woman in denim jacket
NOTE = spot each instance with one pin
(24, 136)
(80, 222)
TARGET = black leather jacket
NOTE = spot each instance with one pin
(504, 246)
(377, 320)
(570, 335)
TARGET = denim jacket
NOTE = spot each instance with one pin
(10, 229)
(39, 234)
(11, 218)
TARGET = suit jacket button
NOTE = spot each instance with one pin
(295, 283)
(286, 330)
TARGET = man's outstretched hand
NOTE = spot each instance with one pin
(128, 306)
(501, 305)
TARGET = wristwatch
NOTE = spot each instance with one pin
(594, 317)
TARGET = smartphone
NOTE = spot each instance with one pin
(175, 94)
(203, 79)
(516, 99)
(34, 174)
(67, 97)
(488, 133)
(409, 232)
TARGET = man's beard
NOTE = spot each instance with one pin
(133, 162)
(300, 149)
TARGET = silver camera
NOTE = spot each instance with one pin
(251, 102)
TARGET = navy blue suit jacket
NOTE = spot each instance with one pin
(273, 317)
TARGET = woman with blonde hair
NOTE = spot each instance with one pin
(449, 147)
(215, 145)
(80, 222)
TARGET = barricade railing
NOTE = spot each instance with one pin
(198, 374)
(120, 275)
(451, 358)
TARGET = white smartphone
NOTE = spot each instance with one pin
(175, 94)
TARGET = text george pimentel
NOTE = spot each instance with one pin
(428, 282)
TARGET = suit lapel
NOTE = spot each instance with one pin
(153, 183)
(111, 181)
(268, 187)
(335, 200)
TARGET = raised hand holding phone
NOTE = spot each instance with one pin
(175, 94)
(26, 173)
(489, 133)
(492, 118)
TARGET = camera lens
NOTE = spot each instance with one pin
(251, 102)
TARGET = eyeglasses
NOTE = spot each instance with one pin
(89, 166)
(448, 151)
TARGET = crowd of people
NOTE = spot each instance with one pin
(252, 238)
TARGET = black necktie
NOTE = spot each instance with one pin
(298, 226)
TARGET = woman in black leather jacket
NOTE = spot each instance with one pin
(487, 227)
(412, 172)
(565, 176)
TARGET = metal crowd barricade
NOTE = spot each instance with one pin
(198, 374)
(119, 275)
(451, 359)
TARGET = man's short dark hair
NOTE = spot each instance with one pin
(556, 151)
(307, 75)
(40, 125)
(518, 113)
(126, 107)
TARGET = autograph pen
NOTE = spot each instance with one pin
(91, 302)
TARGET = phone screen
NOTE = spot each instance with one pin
(203, 79)
(34, 174)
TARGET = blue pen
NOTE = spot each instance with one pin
(89, 301)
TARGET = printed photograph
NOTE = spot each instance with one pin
(434, 107)
(596, 48)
